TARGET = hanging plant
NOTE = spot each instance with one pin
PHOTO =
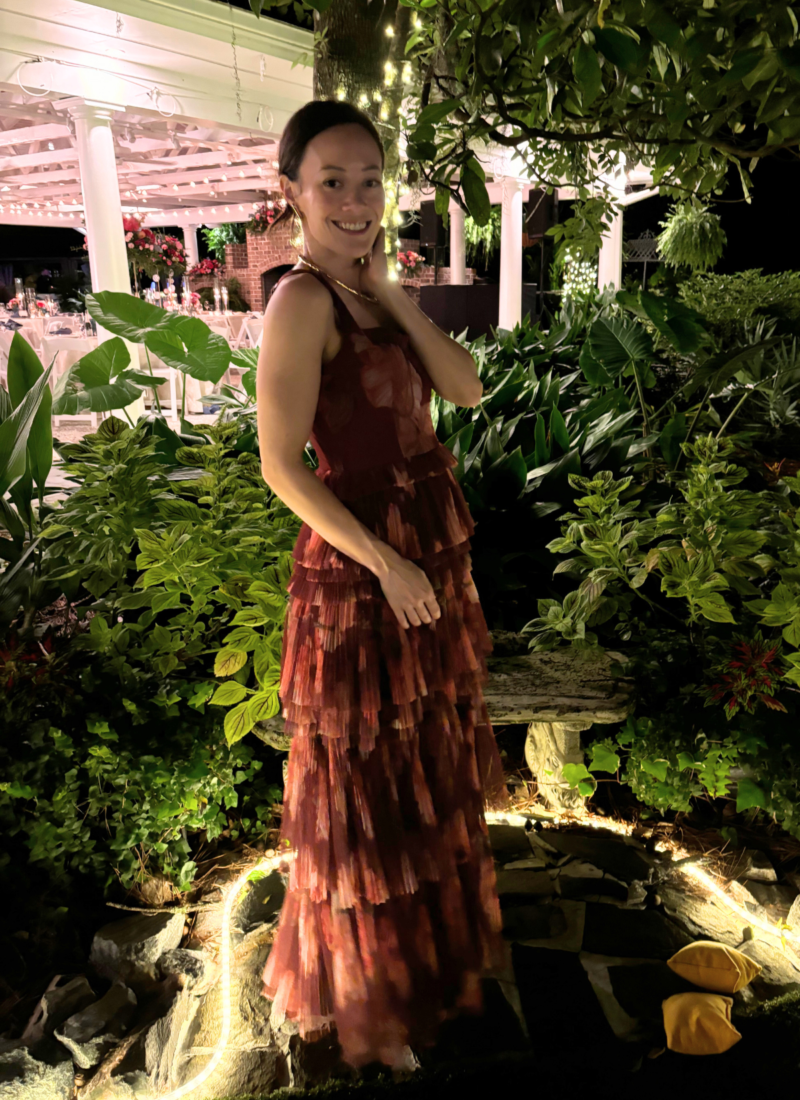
(692, 237)
(482, 241)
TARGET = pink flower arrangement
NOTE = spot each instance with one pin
(411, 261)
(13, 303)
(172, 251)
(206, 267)
(264, 216)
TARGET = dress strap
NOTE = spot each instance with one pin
(343, 314)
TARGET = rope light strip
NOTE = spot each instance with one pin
(492, 818)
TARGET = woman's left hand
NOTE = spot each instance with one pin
(375, 269)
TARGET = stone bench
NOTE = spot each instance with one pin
(558, 694)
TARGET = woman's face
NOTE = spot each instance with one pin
(340, 185)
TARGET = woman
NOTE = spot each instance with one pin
(391, 915)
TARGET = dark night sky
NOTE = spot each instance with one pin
(764, 234)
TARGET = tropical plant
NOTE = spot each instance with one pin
(726, 302)
(687, 89)
(218, 236)
(692, 237)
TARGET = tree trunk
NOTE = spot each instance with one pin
(350, 65)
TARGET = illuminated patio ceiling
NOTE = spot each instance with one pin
(192, 145)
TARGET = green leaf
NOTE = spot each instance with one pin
(619, 48)
(264, 705)
(104, 363)
(749, 795)
(558, 429)
(207, 355)
(15, 430)
(238, 723)
(658, 768)
(476, 196)
(125, 316)
(574, 773)
(24, 368)
(603, 759)
(586, 67)
(437, 112)
(227, 695)
(228, 661)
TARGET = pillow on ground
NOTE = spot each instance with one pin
(714, 966)
(699, 1023)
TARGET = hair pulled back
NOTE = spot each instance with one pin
(303, 126)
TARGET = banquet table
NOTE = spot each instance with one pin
(49, 338)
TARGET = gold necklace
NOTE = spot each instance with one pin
(358, 293)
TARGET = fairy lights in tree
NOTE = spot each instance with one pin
(580, 276)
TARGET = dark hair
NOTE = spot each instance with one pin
(304, 125)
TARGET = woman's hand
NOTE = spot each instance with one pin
(374, 274)
(408, 590)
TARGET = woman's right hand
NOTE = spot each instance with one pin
(408, 590)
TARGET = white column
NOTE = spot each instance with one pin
(190, 243)
(108, 256)
(458, 252)
(510, 312)
(609, 262)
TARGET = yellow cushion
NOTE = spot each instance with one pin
(699, 1023)
(714, 966)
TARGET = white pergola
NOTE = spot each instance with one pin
(169, 108)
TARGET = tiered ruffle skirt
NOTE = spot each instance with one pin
(391, 915)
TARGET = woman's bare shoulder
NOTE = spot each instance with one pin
(301, 294)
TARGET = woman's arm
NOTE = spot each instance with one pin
(450, 366)
(296, 325)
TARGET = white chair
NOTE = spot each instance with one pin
(67, 350)
(254, 327)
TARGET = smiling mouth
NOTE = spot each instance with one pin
(353, 232)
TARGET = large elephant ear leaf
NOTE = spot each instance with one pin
(619, 342)
(124, 315)
(189, 345)
(679, 323)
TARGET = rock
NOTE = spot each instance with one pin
(89, 1035)
(557, 924)
(592, 889)
(190, 966)
(112, 1014)
(532, 863)
(508, 841)
(631, 933)
(260, 901)
(120, 1075)
(706, 917)
(58, 1003)
(129, 949)
(774, 899)
(23, 1077)
(622, 856)
(524, 882)
(781, 969)
(754, 864)
(793, 916)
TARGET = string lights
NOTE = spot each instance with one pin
(580, 276)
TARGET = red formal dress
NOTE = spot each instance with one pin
(391, 915)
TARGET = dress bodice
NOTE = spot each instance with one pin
(372, 426)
